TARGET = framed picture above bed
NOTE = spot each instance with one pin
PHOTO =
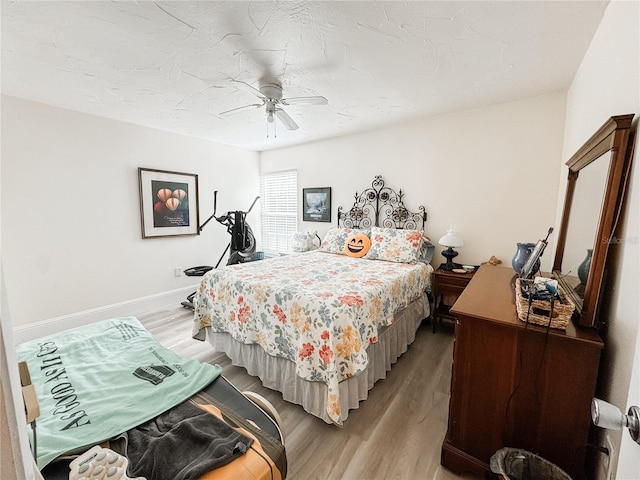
(316, 204)
(168, 203)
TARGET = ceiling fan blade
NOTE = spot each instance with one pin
(286, 119)
(248, 88)
(304, 101)
(234, 111)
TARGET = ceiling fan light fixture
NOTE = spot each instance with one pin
(270, 92)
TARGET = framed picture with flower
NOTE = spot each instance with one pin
(168, 203)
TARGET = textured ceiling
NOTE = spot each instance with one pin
(177, 65)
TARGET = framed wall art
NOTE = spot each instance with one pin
(168, 203)
(316, 204)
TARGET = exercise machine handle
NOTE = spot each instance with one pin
(215, 203)
(223, 218)
(254, 202)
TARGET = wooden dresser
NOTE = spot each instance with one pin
(515, 385)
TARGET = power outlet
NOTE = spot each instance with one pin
(177, 271)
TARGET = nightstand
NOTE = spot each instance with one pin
(446, 283)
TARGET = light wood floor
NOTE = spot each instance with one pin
(395, 434)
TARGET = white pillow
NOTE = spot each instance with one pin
(305, 241)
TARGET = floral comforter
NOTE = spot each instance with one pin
(319, 310)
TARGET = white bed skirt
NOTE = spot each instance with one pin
(279, 373)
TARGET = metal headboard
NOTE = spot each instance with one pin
(381, 206)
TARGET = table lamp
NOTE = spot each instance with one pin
(450, 240)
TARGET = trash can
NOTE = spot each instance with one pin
(518, 464)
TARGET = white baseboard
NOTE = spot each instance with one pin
(25, 333)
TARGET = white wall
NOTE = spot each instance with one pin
(490, 171)
(607, 84)
(71, 234)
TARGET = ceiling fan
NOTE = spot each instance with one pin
(270, 92)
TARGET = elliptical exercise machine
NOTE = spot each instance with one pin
(242, 245)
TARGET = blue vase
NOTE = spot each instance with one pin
(585, 266)
(521, 256)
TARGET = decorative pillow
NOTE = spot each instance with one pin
(426, 250)
(357, 245)
(395, 245)
(335, 239)
(304, 241)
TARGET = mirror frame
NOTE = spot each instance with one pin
(613, 138)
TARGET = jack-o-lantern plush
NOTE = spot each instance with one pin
(357, 245)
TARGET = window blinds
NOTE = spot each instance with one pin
(279, 201)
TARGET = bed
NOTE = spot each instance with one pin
(112, 384)
(322, 327)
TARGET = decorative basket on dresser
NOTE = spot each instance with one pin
(540, 312)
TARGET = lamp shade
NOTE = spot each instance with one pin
(451, 239)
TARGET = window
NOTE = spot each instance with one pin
(279, 201)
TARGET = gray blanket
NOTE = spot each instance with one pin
(182, 443)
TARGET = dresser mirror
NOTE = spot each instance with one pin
(597, 178)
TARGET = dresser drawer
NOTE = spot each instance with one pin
(450, 281)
